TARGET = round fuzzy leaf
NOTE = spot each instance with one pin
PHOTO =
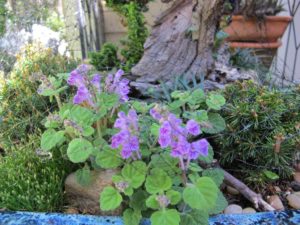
(132, 217)
(51, 138)
(88, 131)
(165, 217)
(83, 176)
(209, 190)
(81, 115)
(109, 158)
(197, 97)
(110, 199)
(138, 200)
(221, 204)
(214, 125)
(158, 181)
(215, 101)
(152, 203)
(194, 217)
(135, 173)
(174, 197)
(217, 175)
(79, 150)
(194, 198)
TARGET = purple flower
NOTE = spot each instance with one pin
(155, 114)
(193, 127)
(96, 82)
(76, 79)
(127, 137)
(114, 84)
(201, 147)
(83, 95)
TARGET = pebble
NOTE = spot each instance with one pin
(297, 177)
(232, 190)
(233, 209)
(275, 202)
(248, 210)
(295, 185)
(294, 200)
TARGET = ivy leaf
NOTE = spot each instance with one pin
(158, 181)
(173, 196)
(79, 150)
(214, 125)
(217, 175)
(109, 158)
(152, 203)
(132, 217)
(135, 173)
(215, 101)
(110, 199)
(138, 200)
(202, 195)
(165, 217)
(195, 217)
(221, 204)
(83, 176)
(51, 138)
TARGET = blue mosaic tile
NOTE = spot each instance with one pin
(29, 218)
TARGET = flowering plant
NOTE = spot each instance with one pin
(155, 146)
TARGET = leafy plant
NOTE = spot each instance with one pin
(31, 180)
(262, 132)
(3, 12)
(21, 108)
(106, 59)
(159, 176)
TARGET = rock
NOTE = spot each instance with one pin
(233, 209)
(297, 177)
(295, 185)
(86, 198)
(294, 201)
(297, 193)
(232, 190)
(275, 202)
(248, 210)
(277, 189)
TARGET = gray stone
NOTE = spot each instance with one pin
(233, 209)
(294, 201)
(275, 202)
(248, 210)
(232, 190)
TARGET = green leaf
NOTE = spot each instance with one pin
(221, 204)
(270, 175)
(165, 217)
(197, 97)
(173, 196)
(141, 107)
(158, 181)
(215, 101)
(135, 173)
(154, 129)
(51, 92)
(88, 131)
(81, 115)
(79, 150)
(202, 195)
(165, 162)
(179, 94)
(138, 200)
(214, 125)
(176, 104)
(51, 138)
(108, 100)
(109, 158)
(110, 199)
(83, 176)
(195, 217)
(195, 167)
(132, 217)
(217, 175)
(152, 203)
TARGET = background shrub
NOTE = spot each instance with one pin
(31, 182)
(106, 58)
(22, 109)
(263, 129)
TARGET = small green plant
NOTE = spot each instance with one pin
(155, 147)
(30, 180)
(106, 58)
(3, 12)
(262, 129)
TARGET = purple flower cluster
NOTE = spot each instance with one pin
(174, 134)
(127, 137)
(88, 87)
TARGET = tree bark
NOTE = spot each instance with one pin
(181, 42)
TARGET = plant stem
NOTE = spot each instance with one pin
(98, 124)
(57, 98)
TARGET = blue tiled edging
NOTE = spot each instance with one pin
(28, 218)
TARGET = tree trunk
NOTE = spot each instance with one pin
(181, 42)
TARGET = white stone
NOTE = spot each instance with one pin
(233, 209)
(294, 201)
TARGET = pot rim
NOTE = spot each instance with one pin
(269, 45)
(267, 18)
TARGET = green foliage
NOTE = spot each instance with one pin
(22, 109)
(167, 217)
(262, 130)
(106, 58)
(3, 12)
(110, 199)
(54, 22)
(30, 180)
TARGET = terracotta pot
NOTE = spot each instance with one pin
(252, 30)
